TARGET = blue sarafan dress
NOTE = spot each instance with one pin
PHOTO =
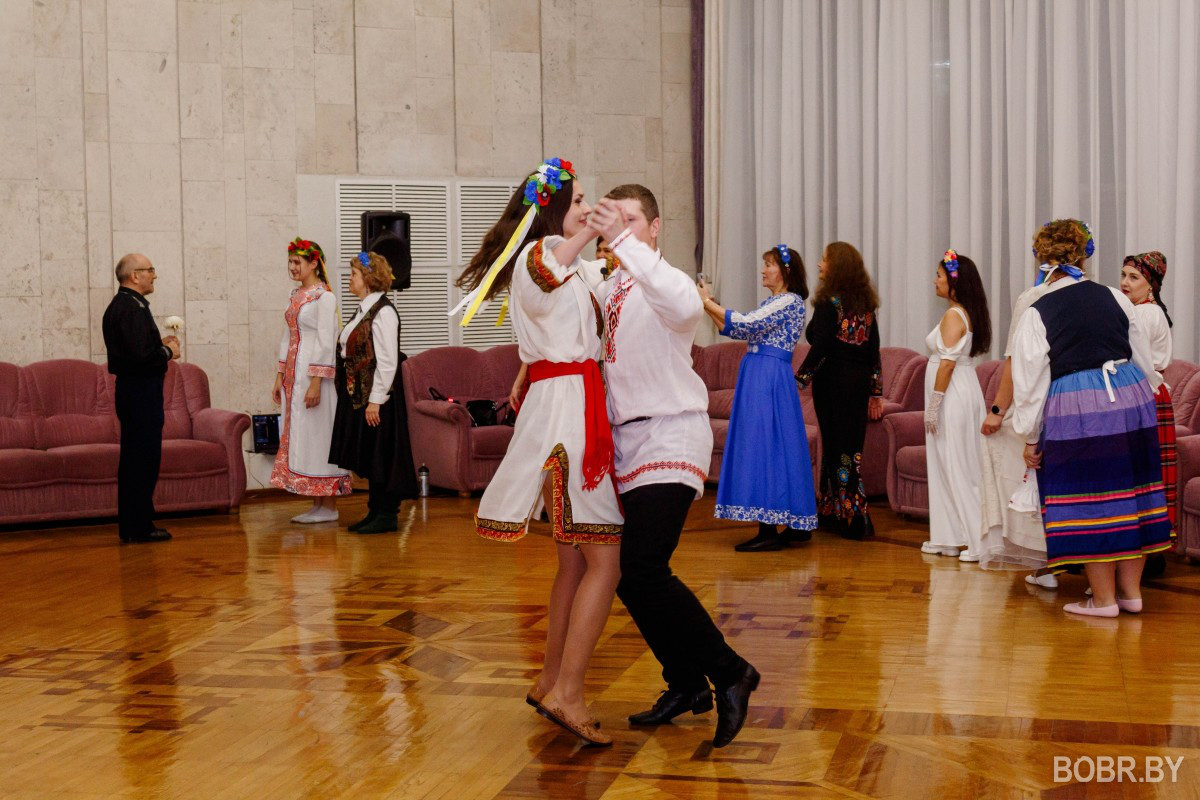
(766, 471)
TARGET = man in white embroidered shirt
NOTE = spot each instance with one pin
(658, 407)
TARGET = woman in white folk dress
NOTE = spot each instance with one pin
(954, 410)
(562, 435)
(304, 386)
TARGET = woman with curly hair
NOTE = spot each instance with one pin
(844, 368)
(1084, 383)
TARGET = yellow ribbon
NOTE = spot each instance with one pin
(475, 299)
(503, 312)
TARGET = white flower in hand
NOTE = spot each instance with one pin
(174, 323)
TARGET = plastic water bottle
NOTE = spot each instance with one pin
(423, 481)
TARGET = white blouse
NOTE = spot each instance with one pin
(1153, 321)
(1031, 362)
(385, 338)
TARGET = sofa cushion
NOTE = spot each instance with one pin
(192, 457)
(720, 403)
(1191, 496)
(720, 429)
(177, 420)
(910, 462)
(71, 402)
(21, 468)
(490, 441)
(89, 462)
(16, 425)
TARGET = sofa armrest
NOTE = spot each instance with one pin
(225, 428)
(1187, 449)
(443, 410)
(904, 428)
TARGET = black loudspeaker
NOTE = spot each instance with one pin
(266, 433)
(389, 233)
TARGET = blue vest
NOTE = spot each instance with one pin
(1085, 326)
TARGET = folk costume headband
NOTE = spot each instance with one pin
(545, 181)
(950, 263)
(785, 255)
(1152, 265)
(312, 251)
(1045, 270)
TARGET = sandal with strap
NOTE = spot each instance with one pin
(593, 737)
(535, 696)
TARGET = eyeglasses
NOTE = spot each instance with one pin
(146, 269)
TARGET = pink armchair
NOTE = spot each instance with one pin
(907, 475)
(59, 443)
(458, 456)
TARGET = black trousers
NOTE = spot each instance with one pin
(139, 401)
(674, 624)
(381, 499)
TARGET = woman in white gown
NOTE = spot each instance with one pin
(954, 410)
(304, 385)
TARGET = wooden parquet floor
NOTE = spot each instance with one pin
(253, 658)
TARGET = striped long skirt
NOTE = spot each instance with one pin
(1101, 480)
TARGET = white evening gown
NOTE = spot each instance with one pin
(953, 454)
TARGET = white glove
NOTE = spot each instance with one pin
(932, 411)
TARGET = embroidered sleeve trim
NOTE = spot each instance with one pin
(542, 275)
(682, 466)
(621, 237)
(282, 366)
(321, 371)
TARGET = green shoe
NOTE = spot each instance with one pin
(382, 523)
(370, 516)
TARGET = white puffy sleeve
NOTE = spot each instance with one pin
(385, 338)
(1139, 341)
(1031, 375)
(324, 308)
(1153, 322)
(670, 292)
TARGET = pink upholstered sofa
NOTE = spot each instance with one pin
(907, 487)
(59, 446)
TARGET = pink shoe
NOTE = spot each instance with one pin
(1088, 609)
(1130, 606)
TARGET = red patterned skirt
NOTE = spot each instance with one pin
(1166, 446)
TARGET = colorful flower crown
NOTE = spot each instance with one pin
(365, 260)
(785, 255)
(950, 262)
(547, 180)
(307, 249)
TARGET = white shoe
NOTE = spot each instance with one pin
(318, 515)
(939, 549)
(303, 518)
(1047, 581)
(968, 557)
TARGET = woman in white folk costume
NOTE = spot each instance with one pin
(1012, 538)
(562, 433)
(1083, 389)
(954, 410)
(1141, 281)
(663, 444)
(304, 384)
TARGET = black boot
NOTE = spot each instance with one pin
(795, 536)
(733, 703)
(767, 539)
(370, 516)
(671, 704)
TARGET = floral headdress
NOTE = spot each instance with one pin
(543, 182)
(950, 262)
(546, 180)
(785, 255)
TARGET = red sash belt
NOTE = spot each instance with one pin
(598, 444)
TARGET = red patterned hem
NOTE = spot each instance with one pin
(664, 465)
(498, 530)
(321, 371)
(580, 536)
(309, 485)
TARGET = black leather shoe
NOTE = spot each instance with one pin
(370, 516)
(156, 535)
(795, 536)
(761, 543)
(380, 523)
(732, 705)
(671, 704)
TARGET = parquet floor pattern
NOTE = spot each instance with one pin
(255, 658)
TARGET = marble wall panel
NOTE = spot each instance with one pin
(21, 329)
(146, 187)
(19, 230)
(143, 97)
(18, 132)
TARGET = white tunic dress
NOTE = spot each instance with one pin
(556, 318)
(657, 403)
(953, 453)
(306, 350)
(1011, 539)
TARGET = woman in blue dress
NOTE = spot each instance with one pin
(766, 472)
